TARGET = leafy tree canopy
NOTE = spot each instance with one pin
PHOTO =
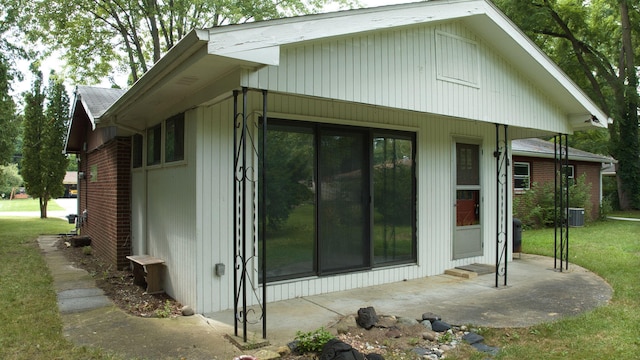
(43, 163)
(596, 43)
(96, 37)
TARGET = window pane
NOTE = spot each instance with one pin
(290, 213)
(468, 164)
(136, 151)
(174, 139)
(343, 203)
(154, 141)
(521, 169)
(393, 218)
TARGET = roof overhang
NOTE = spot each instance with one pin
(207, 63)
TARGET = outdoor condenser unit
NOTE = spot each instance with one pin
(576, 217)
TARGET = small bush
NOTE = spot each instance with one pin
(312, 341)
(87, 250)
(536, 206)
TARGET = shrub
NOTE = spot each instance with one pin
(536, 207)
(312, 341)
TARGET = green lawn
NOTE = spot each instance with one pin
(30, 325)
(612, 250)
(27, 205)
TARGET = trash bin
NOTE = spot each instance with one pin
(72, 218)
(517, 235)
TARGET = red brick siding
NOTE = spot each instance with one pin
(542, 171)
(106, 197)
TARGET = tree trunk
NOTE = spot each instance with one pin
(43, 208)
(628, 169)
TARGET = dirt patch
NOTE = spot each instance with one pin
(118, 285)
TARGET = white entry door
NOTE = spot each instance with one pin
(467, 240)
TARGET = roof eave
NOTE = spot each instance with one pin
(188, 45)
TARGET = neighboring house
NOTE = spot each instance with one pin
(104, 175)
(70, 183)
(534, 162)
(380, 163)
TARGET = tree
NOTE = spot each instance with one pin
(593, 42)
(96, 36)
(8, 119)
(9, 180)
(44, 164)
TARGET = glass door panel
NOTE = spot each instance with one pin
(343, 201)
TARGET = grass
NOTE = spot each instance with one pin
(612, 250)
(30, 324)
(27, 205)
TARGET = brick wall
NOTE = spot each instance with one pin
(105, 194)
(542, 171)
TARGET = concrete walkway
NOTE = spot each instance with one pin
(535, 293)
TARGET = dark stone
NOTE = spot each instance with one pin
(80, 241)
(374, 356)
(293, 346)
(367, 317)
(335, 349)
(486, 349)
(430, 316)
(440, 326)
(472, 338)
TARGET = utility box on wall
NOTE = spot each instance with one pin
(576, 217)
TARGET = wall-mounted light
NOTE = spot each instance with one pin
(81, 175)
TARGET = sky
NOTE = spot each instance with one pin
(54, 63)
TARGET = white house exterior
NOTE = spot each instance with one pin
(436, 76)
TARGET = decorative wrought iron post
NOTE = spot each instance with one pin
(561, 202)
(245, 213)
(503, 187)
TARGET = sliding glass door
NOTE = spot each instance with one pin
(339, 199)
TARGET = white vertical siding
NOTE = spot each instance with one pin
(214, 204)
(171, 230)
(399, 69)
(138, 211)
(435, 136)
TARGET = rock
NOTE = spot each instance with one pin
(421, 351)
(486, 349)
(266, 355)
(393, 333)
(472, 338)
(386, 321)
(367, 317)
(427, 324)
(374, 356)
(464, 328)
(187, 310)
(284, 350)
(430, 316)
(445, 347)
(342, 329)
(437, 351)
(440, 326)
(429, 335)
(293, 345)
(407, 321)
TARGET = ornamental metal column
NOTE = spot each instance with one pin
(561, 202)
(245, 214)
(503, 187)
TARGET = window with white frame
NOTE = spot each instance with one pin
(521, 176)
(569, 170)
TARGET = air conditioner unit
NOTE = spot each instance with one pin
(576, 217)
